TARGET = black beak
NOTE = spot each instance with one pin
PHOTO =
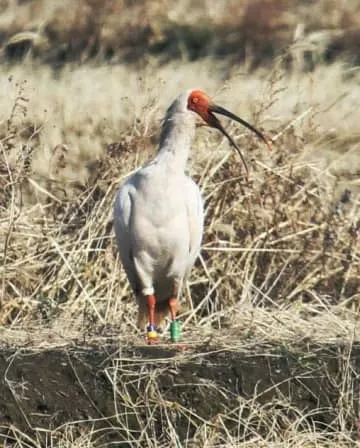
(213, 121)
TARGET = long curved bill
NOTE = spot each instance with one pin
(213, 121)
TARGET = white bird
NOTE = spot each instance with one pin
(158, 214)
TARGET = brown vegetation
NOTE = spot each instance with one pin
(127, 31)
(280, 262)
(290, 234)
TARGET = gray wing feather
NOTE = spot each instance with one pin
(195, 210)
(122, 224)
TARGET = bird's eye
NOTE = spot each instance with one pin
(195, 99)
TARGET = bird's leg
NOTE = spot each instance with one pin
(152, 334)
(174, 308)
(175, 330)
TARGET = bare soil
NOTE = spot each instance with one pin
(95, 385)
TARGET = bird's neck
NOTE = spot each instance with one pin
(176, 137)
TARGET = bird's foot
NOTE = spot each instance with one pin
(152, 336)
(175, 331)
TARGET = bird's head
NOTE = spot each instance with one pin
(201, 103)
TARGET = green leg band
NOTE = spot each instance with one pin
(175, 331)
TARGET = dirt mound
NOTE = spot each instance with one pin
(141, 393)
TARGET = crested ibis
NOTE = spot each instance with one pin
(158, 214)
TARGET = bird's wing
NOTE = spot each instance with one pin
(122, 225)
(195, 210)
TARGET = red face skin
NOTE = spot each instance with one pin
(199, 102)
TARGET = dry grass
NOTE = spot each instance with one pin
(288, 236)
(280, 257)
(120, 30)
(280, 260)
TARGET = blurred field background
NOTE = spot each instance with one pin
(83, 87)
